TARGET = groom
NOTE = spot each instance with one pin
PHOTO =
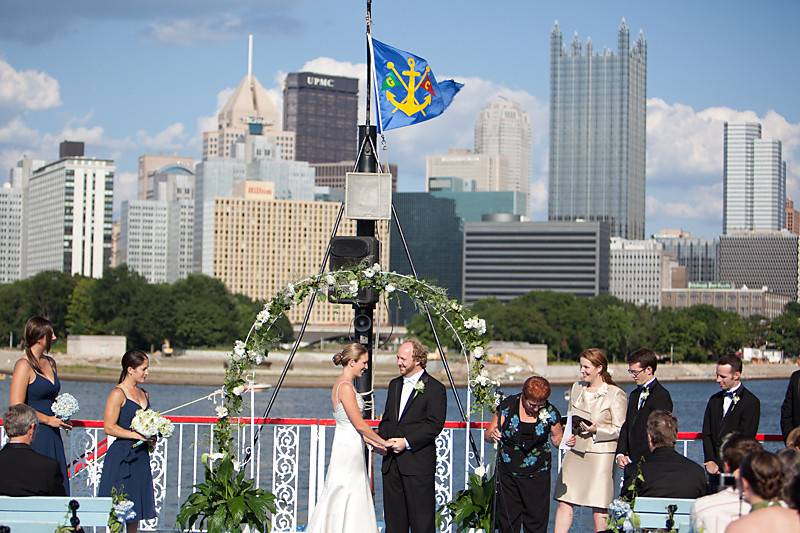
(416, 406)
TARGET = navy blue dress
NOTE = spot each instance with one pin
(47, 440)
(128, 469)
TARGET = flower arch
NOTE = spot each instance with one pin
(466, 328)
(226, 498)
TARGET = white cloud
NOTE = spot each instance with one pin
(191, 31)
(705, 203)
(683, 141)
(171, 138)
(27, 89)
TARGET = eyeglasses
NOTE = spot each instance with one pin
(635, 373)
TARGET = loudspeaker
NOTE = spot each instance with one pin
(348, 252)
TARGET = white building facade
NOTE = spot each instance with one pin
(156, 237)
(504, 129)
(638, 271)
(69, 207)
(754, 180)
(483, 171)
(10, 233)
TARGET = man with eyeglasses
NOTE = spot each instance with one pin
(648, 396)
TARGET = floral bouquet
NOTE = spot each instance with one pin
(621, 517)
(472, 507)
(65, 406)
(149, 423)
(121, 511)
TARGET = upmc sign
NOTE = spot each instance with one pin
(315, 81)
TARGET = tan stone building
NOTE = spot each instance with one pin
(261, 245)
(744, 301)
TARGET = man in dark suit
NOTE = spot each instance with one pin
(416, 406)
(790, 410)
(648, 396)
(25, 472)
(734, 408)
(666, 473)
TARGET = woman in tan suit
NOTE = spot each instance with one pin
(586, 476)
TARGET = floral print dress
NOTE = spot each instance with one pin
(525, 448)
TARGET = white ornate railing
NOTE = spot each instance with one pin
(290, 457)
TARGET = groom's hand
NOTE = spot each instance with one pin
(398, 444)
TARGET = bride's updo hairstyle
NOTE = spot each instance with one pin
(351, 352)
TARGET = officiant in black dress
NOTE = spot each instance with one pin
(523, 425)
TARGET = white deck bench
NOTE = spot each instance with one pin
(42, 514)
(653, 513)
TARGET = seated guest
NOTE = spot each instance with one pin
(760, 483)
(793, 440)
(713, 513)
(667, 474)
(790, 458)
(25, 472)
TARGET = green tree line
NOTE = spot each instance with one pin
(194, 312)
(569, 324)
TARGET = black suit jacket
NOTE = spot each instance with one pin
(420, 423)
(790, 410)
(742, 417)
(27, 473)
(668, 474)
(633, 434)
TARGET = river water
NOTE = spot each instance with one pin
(689, 400)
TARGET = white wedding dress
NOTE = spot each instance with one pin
(346, 503)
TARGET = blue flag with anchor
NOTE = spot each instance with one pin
(406, 89)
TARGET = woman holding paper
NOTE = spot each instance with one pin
(597, 411)
(523, 425)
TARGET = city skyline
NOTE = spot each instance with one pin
(164, 70)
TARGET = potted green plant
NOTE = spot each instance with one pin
(471, 509)
(227, 500)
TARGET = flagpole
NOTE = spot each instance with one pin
(369, 59)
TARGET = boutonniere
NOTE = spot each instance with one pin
(419, 387)
(644, 395)
(735, 399)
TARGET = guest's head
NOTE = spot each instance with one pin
(729, 371)
(594, 367)
(793, 439)
(535, 392)
(135, 366)
(662, 430)
(794, 493)
(790, 459)
(761, 477)
(735, 447)
(642, 365)
(39, 336)
(20, 422)
(412, 357)
(353, 357)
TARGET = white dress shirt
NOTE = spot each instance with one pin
(645, 387)
(409, 382)
(727, 400)
(712, 514)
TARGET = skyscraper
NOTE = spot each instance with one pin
(10, 233)
(504, 129)
(484, 172)
(69, 204)
(322, 111)
(249, 104)
(597, 133)
(754, 180)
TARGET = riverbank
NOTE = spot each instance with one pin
(314, 369)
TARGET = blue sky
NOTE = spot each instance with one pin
(147, 76)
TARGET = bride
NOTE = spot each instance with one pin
(346, 501)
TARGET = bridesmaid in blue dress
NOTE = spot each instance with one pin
(35, 383)
(127, 468)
